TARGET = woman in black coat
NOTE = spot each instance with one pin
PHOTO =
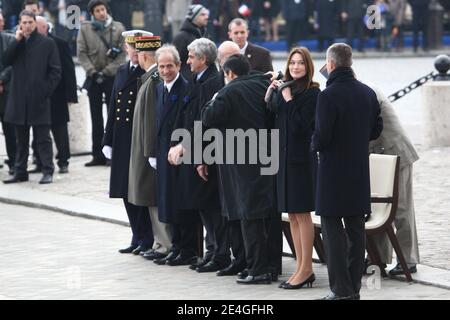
(294, 102)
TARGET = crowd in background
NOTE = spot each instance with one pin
(270, 20)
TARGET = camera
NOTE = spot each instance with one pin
(113, 52)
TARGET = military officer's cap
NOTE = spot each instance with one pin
(130, 36)
(147, 43)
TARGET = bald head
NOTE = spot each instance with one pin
(42, 25)
(226, 50)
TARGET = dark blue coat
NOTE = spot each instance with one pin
(194, 192)
(347, 118)
(119, 127)
(165, 172)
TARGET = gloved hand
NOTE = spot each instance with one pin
(152, 162)
(107, 152)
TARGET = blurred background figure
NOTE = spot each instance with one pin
(352, 14)
(398, 12)
(419, 23)
(269, 11)
(176, 14)
(295, 14)
(326, 13)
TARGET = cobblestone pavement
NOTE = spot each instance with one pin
(53, 256)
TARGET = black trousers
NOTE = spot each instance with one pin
(355, 27)
(141, 225)
(184, 234)
(96, 92)
(294, 32)
(217, 243)
(268, 240)
(10, 141)
(344, 249)
(60, 135)
(255, 238)
(420, 24)
(43, 146)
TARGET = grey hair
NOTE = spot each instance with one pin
(170, 49)
(340, 54)
(204, 48)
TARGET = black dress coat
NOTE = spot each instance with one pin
(119, 127)
(166, 173)
(347, 118)
(259, 57)
(36, 74)
(245, 193)
(194, 192)
(295, 178)
(67, 88)
(327, 15)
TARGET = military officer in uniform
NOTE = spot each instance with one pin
(117, 143)
(142, 177)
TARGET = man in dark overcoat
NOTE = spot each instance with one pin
(246, 194)
(64, 94)
(6, 40)
(170, 95)
(197, 196)
(117, 145)
(36, 74)
(347, 118)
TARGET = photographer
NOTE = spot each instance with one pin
(100, 54)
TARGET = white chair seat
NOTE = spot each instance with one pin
(379, 216)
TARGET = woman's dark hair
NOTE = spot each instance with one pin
(307, 81)
(238, 64)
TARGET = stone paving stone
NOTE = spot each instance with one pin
(50, 256)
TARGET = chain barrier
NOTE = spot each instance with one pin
(414, 85)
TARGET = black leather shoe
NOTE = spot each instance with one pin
(129, 249)
(261, 279)
(46, 179)
(231, 270)
(35, 170)
(210, 267)
(398, 270)
(199, 264)
(154, 255)
(308, 283)
(139, 249)
(171, 256)
(182, 261)
(16, 179)
(333, 296)
(64, 169)
(243, 274)
(96, 162)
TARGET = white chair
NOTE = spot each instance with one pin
(384, 175)
(384, 179)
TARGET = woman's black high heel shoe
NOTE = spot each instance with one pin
(308, 283)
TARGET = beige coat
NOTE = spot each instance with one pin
(393, 139)
(92, 51)
(142, 177)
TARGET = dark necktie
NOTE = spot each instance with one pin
(165, 95)
(132, 69)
